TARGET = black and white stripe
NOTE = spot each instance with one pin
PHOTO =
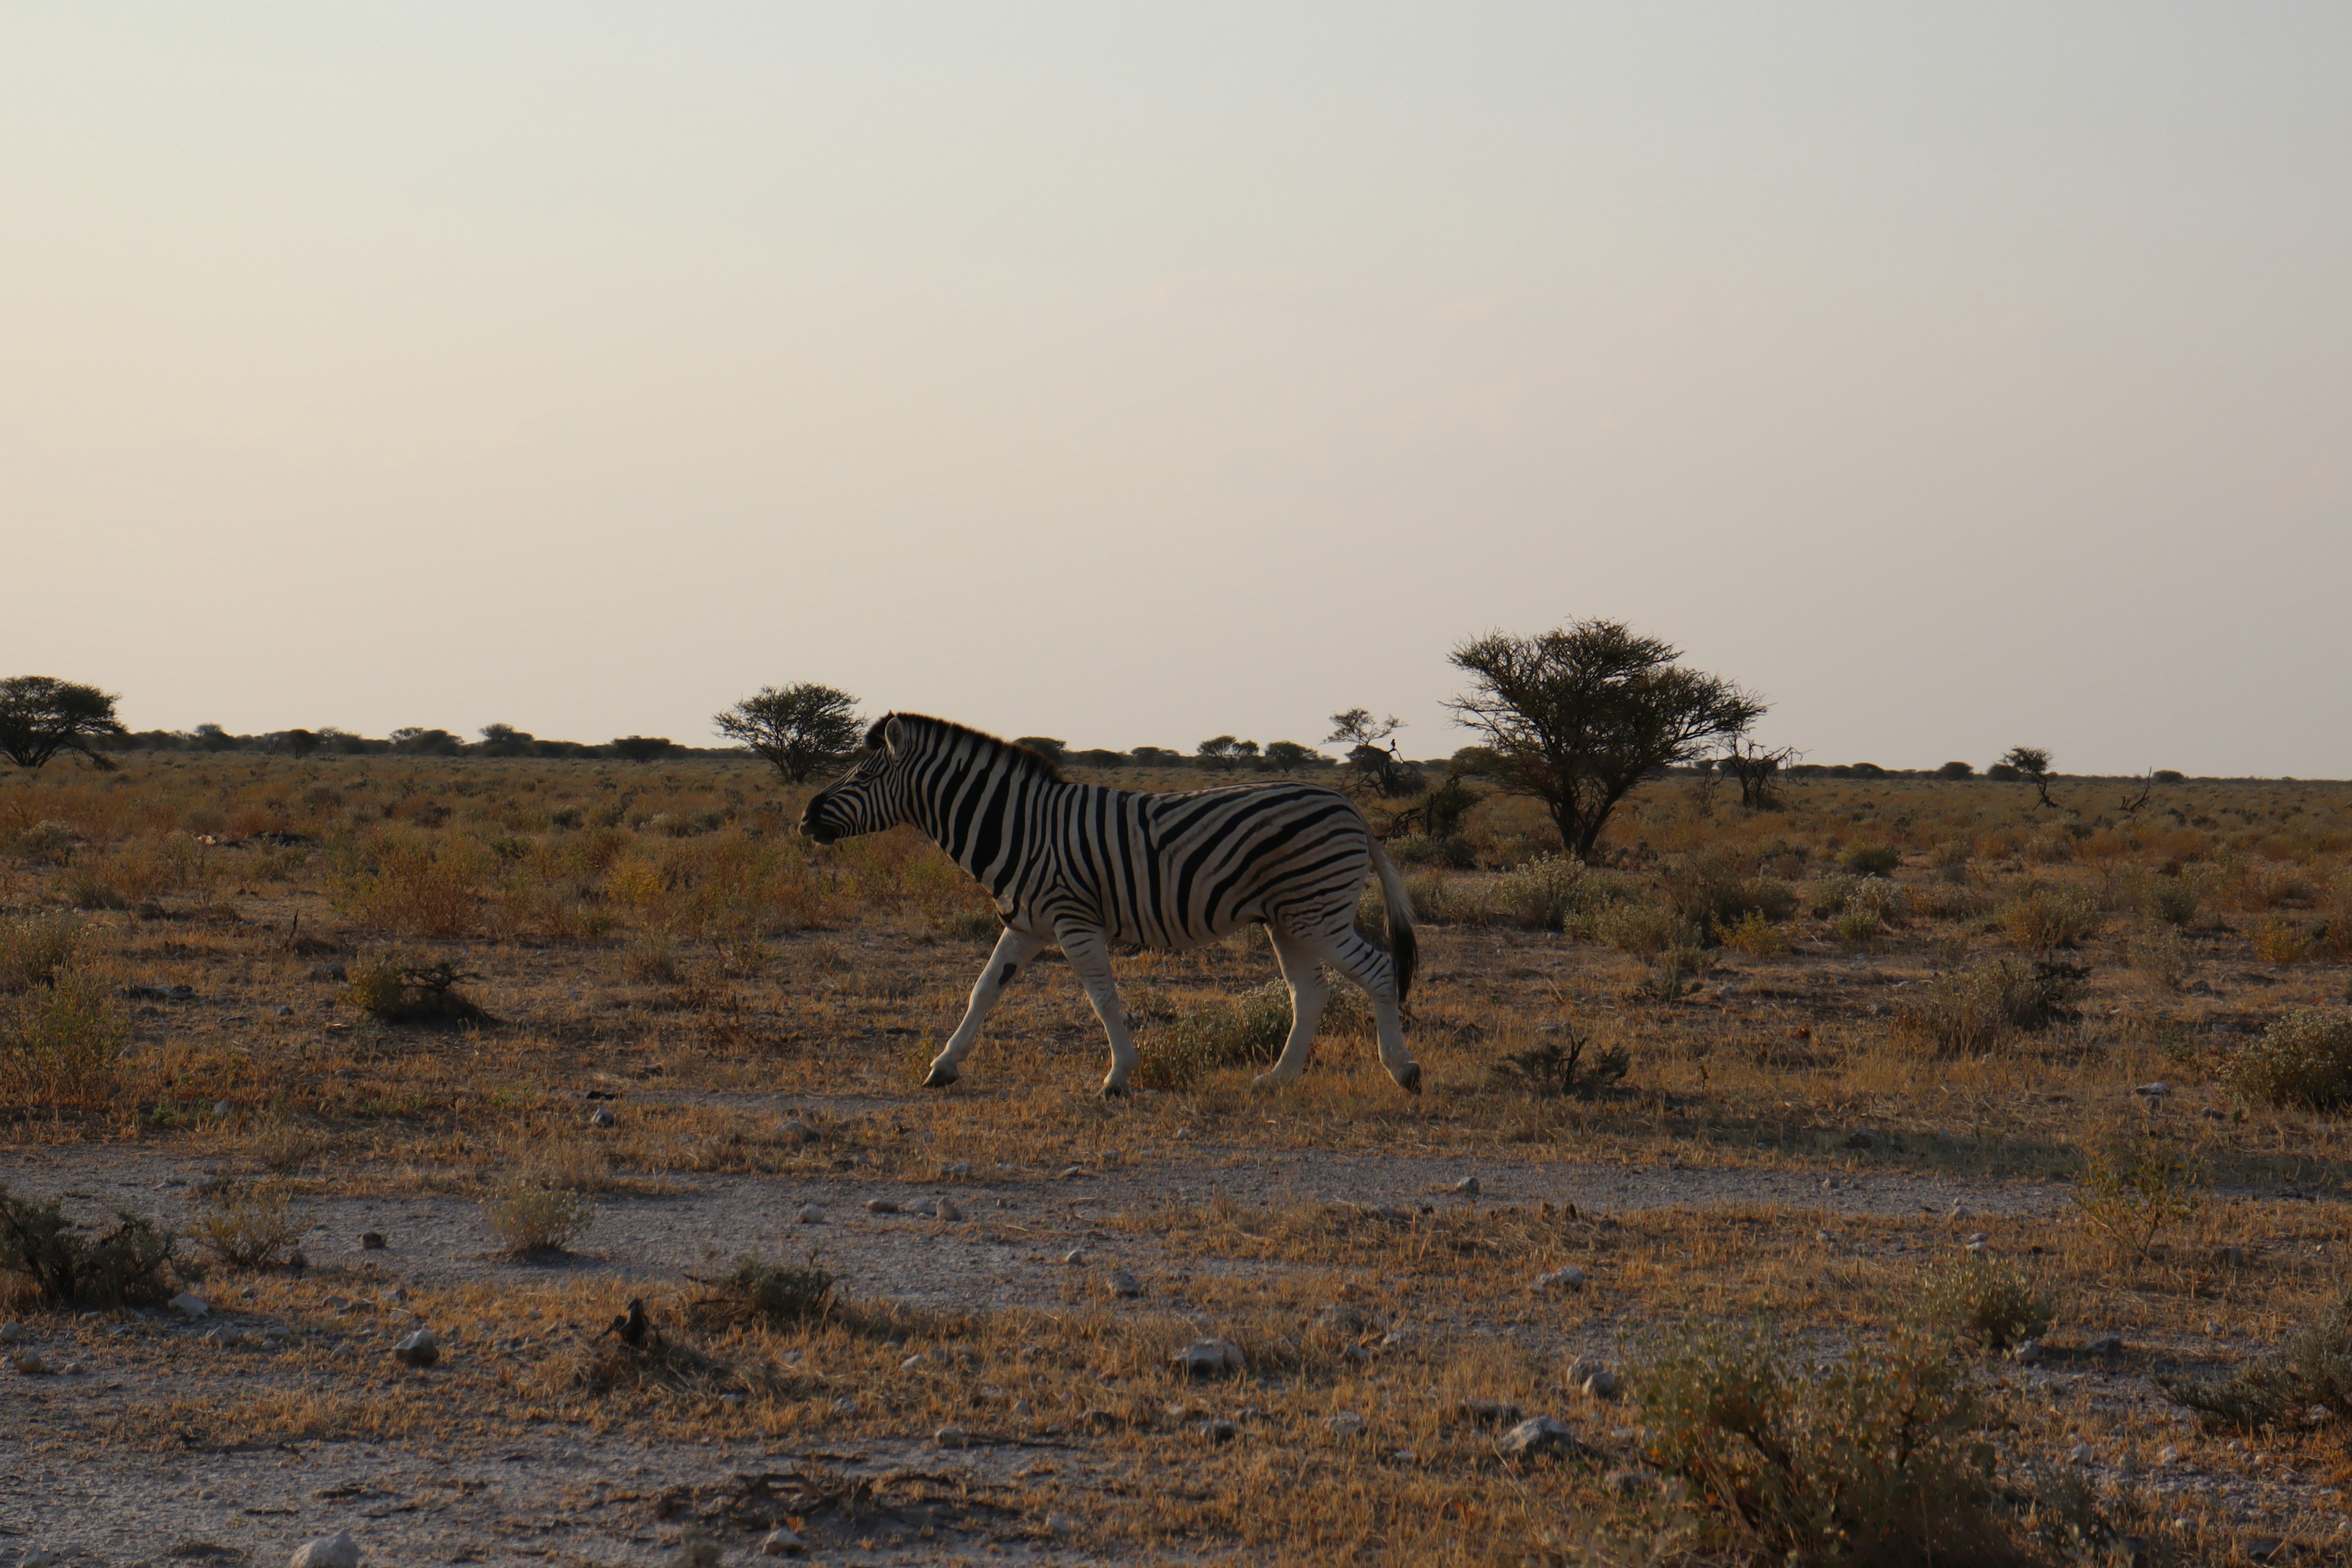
(1085, 867)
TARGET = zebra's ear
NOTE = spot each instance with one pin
(894, 734)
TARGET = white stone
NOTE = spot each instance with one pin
(1210, 1358)
(948, 1211)
(188, 1306)
(1601, 1384)
(30, 1364)
(422, 1348)
(1539, 1434)
(336, 1551)
(1125, 1285)
(1074, 1257)
(1347, 1424)
(1567, 1277)
(881, 1205)
(600, 1117)
(781, 1543)
(2152, 1091)
(1467, 1187)
(951, 1437)
(811, 1215)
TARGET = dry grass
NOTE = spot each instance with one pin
(658, 936)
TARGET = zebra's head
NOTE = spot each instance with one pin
(871, 796)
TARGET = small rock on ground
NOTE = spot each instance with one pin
(336, 1551)
(781, 1543)
(1210, 1358)
(1347, 1424)
(422, 1348)
(1567, 1277)
(1537, 1435)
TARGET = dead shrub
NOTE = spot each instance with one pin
(252, 1227)
(133, 1264)
(760, 1294)
(1644, 930)
(416, 886)
(1973, 1011)
(61, 1045)
(2131, 1193)
(2160, 955)
(1558, 1067)
(411, 991)
(2311, 1367)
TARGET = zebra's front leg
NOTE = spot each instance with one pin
(1014, 949)
(1089, 957)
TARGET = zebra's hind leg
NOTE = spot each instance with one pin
(1014, 949)
(1302, 965)
(1090, 958)
(1370, 968)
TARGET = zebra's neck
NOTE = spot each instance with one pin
(978, 799)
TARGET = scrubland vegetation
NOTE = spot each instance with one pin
(429, 977)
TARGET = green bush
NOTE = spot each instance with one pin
(133, 1263)
(1971, 1011)
(1844, 893)
(2313, 1366)
(1995, 1304)
(533, 1215)
(1877, 1457)
(1248, 1031)
(2304, 1059)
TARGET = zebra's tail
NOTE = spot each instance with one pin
(1403, 951)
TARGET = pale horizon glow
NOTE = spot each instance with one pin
(1954, 376)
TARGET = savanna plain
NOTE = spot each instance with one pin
(1911, 1162)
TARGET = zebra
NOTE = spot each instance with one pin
(1085, 867)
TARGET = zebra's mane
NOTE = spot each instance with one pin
(1024, 757)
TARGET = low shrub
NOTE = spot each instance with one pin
(1860, 927)
(1971, 1012)
(1453, 853)
(2303, 1060)
(2158, 953)
(1248, 1031)
(1558, 1067)
(251, 1226)
(2172, 900)
(61, 1045)
(759, 1294)
(35, 950)
(2131, 1194)
(532, 1216)
(2043, 919)
(1872, 859)
(2311, 1367)
(651, 958)
(1644, 930)
(1716, 888)
(1950, 861)
(133, 1264)
(1841, 893)
(410, 991)
(2281, 941)
(1995, 1304)
(1879, 1455)
(1553, 892)
(1752, 934)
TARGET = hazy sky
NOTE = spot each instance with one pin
(1954, 376)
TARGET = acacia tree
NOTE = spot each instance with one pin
(41, 716)
(1757, 768)
(1372, 766)
(798, 729)
(1579, 716)
(2033, 763)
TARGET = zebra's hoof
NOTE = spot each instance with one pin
(1409, 1081)
(1268, 1082)
(1115, 1091)
(940, 1077)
